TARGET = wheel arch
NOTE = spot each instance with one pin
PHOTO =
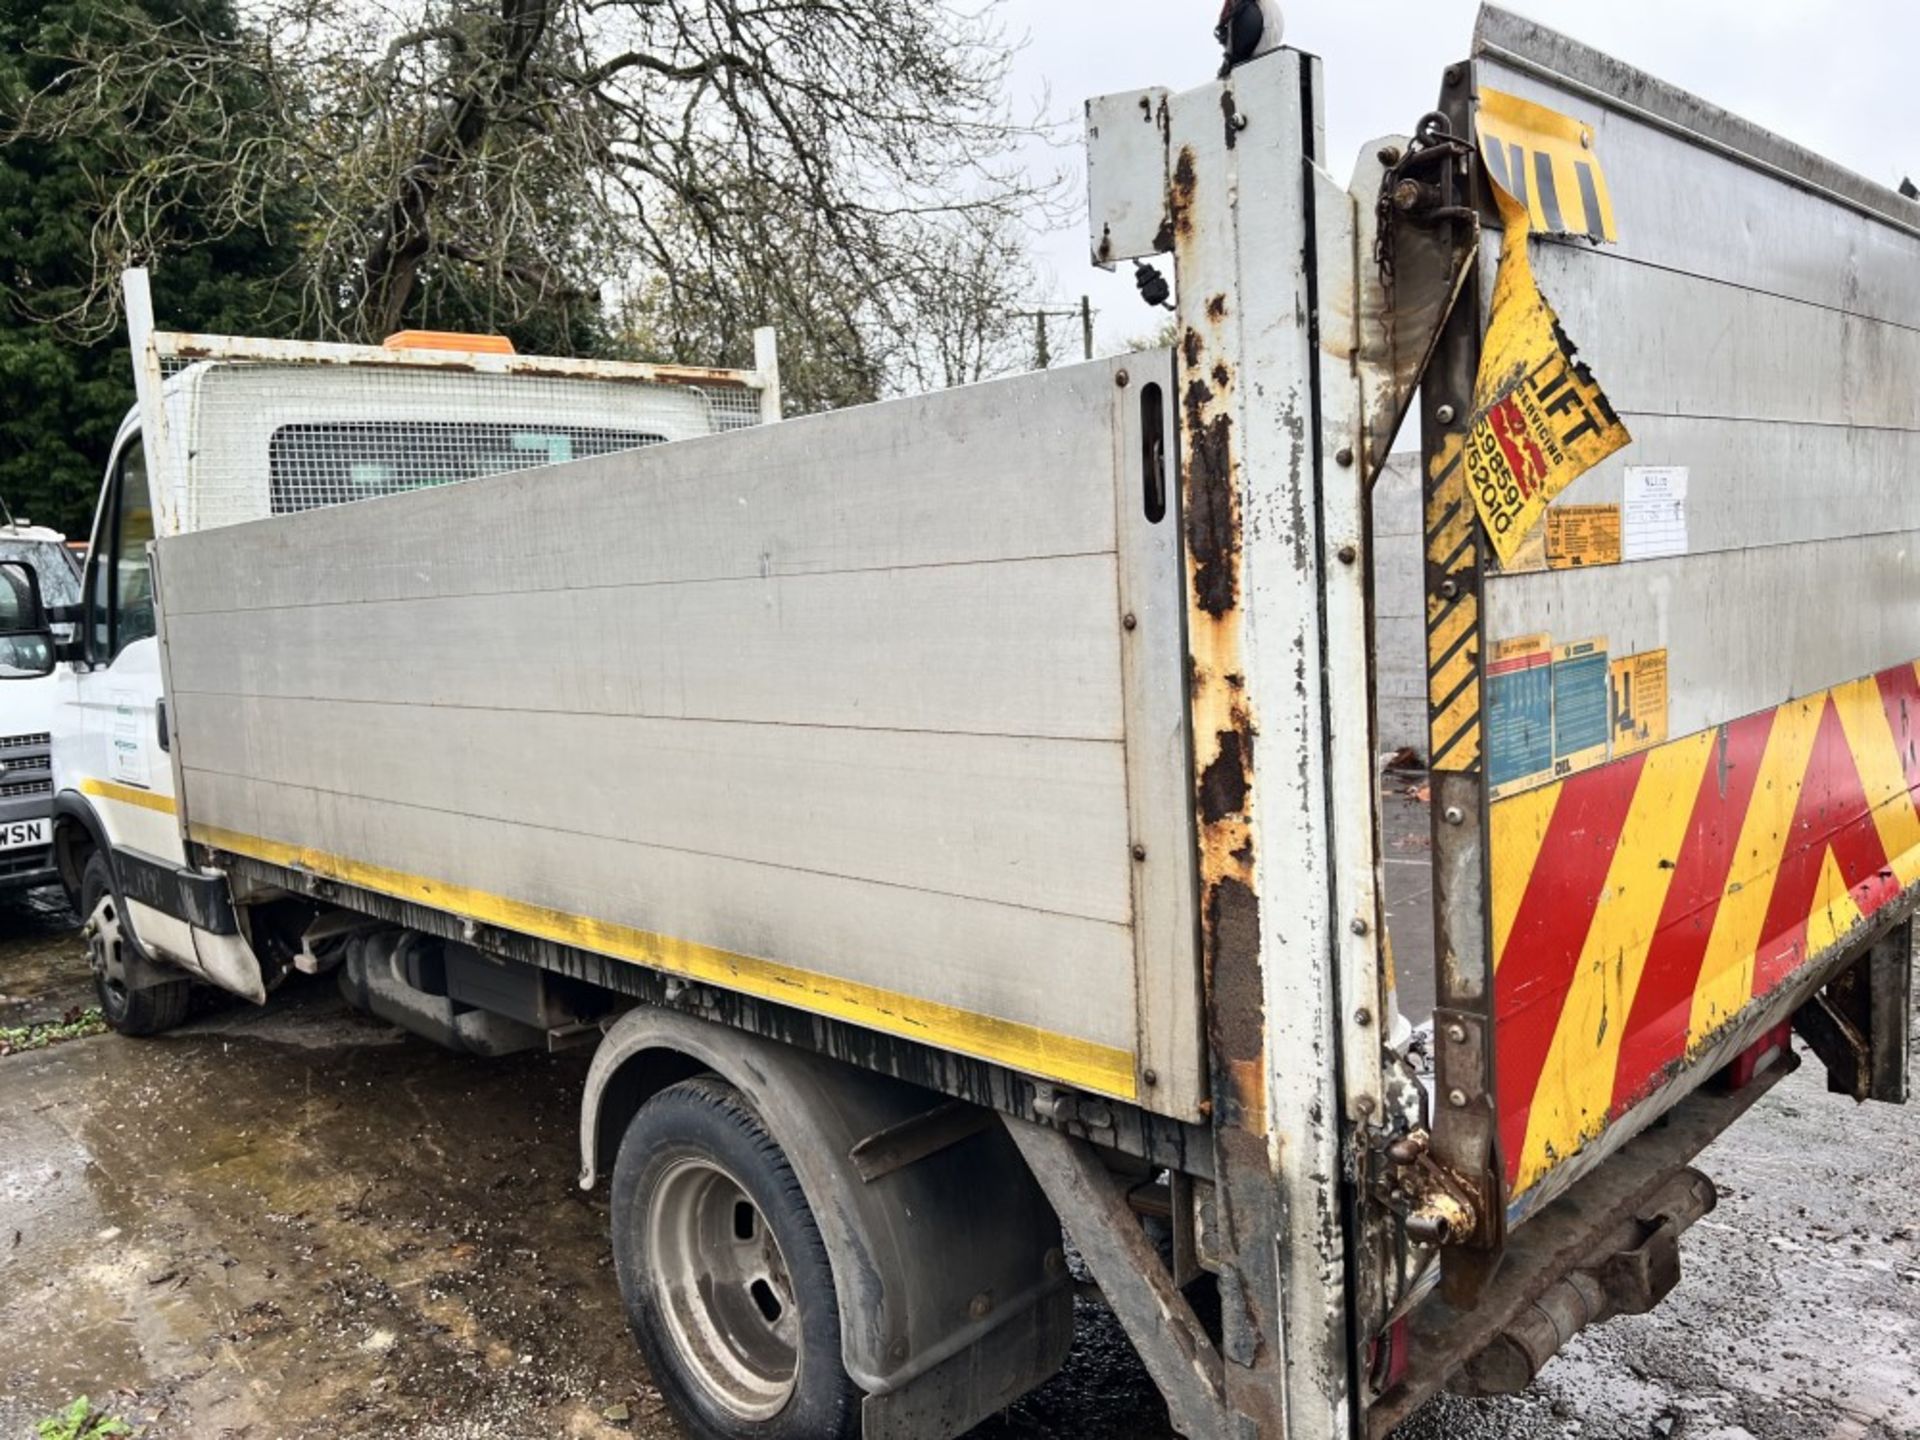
(76, 831)
(953, 1290)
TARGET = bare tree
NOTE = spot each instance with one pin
(815, 162)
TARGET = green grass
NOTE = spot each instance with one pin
(80, 1421)
(76, 1024)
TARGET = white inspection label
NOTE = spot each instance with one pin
(1653, 520)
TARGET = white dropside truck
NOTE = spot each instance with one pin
(26, 713)
(955, 819)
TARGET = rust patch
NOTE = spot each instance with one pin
(1238, 1010)
(1224, 727)
(1224, 784)
(1213, 526)
(1184, 180)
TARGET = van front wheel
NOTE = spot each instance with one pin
(146, 1010)
(724, 1275)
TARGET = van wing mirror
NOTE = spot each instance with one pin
(26, 639)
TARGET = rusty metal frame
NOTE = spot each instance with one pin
(1465, 1143)
(1173, 1344)
(1859, 1023)
(1265, 247)
(1571, 1234)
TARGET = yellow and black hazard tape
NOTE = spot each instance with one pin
(1453, 614)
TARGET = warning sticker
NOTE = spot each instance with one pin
(1540, 418)
(1529, 556)
(1639, 702)
(1519, 714)
(1580, 537)
(1580, 715)
(1546, 162)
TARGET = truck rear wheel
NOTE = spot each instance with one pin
(146, 1010)
(724, 1275)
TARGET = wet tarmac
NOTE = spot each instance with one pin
(296, 1222)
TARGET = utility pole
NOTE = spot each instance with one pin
(1042, 342)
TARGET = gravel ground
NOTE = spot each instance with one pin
(297, 1222)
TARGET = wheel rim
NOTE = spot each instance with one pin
(104, 954)
(723, 1289)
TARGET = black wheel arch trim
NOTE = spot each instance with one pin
(203, 901)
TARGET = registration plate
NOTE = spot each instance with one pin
(18, 834)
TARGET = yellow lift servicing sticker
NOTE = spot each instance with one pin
(1540, 419)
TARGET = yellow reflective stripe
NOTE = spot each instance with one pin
(128, 795)
(1726, 972)
(1575, 1090)
(1079, 1063)
(1883, 776)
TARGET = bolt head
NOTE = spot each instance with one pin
(1455, 815)
(1149, 1078)
(1449, 589)
(1131, 622)
(1363, 1018)
(1344, 457)
(1457, 1034)
(1389, 155)
(1445, 414)
(1139, 852)
(1348, 554)
(1122, 379)
(1457, 1099)
(1360, 926)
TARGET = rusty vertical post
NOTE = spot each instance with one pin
(1244, 237)
(1466, 1137)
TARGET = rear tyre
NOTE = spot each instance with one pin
(724, 1275)
(143, 1011)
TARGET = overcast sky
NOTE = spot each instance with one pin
(1841, 77)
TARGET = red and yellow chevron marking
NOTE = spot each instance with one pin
(1641, 906)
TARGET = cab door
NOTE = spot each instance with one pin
(108, 746)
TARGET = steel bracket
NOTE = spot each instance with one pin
(1859, 1024)
(1093, 1204)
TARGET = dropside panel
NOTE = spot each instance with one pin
(838, 713)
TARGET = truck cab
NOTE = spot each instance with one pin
(26, 721)
(256, 429)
